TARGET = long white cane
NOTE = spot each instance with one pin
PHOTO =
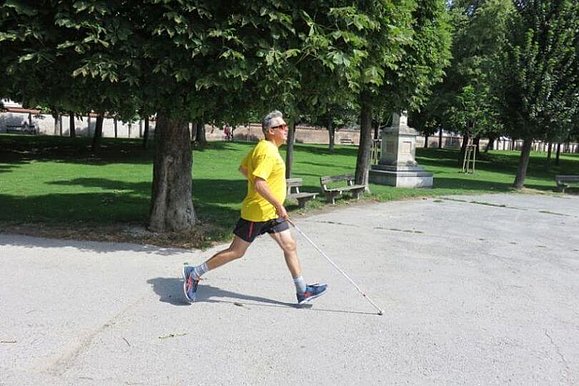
(335, 266)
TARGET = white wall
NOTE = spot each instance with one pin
(84, 127)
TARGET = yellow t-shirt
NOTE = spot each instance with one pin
(263, 161)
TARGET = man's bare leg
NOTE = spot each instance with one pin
(236, 250)
(192, 275)
(305, 293)
(287, 243)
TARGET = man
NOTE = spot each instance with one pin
(262, 211)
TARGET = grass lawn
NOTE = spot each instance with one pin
(56, 185)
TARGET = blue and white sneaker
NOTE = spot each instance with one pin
(189, 284)
(312, 291)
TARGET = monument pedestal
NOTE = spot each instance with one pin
(401, 177)
(397, 166)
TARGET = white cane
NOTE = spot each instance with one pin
(335, 266)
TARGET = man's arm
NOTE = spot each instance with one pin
(243, 170)
(262, 188)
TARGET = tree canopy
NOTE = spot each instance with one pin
(214, 60)
(539, 80)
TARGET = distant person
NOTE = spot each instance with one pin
(227, 132)
(262, 211)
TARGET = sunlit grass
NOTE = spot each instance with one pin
(58, 181)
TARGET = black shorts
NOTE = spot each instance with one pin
(249, 230)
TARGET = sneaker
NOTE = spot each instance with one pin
(189, 284)
(312, 291)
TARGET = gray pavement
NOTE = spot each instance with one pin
(476, 290)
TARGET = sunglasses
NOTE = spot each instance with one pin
(284, 126)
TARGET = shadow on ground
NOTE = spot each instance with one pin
(170, 290)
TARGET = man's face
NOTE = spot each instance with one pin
(278, 130)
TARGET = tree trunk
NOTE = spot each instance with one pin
(200, 137)
(476, 142)
(146, 133)
(491, 144)
(523, 164)
(549, 151)
(71, 126)
(57, 123)
(440, 138)
(365, 147)
(558, 154)
(193, 132)
(426, 141)
(171, 204)
(289, 155)
(88, 132)
(332, 136)
(98, 132)
(115, 122)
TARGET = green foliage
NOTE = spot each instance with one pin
(466, 101)
(215, 60)
(540, 75)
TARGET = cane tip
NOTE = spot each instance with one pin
(380, 313)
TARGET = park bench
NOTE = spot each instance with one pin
(563, 181)
(331, 191)
(346, 141)
(293, 192)
(21, 129)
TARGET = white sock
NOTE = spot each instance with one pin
(300, 284)
(200, 270)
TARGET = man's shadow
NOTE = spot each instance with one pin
(170, 290)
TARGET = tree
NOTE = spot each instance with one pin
(181, 60)
(466, 102)
(408, 49)
(539, 74)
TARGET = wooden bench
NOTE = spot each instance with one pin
(21, 129)
(293, 191)
(563, 181)
(331, 191)
(346, 141)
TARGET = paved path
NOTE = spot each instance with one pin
(475, 289)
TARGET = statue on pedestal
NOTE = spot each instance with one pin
(397, 165)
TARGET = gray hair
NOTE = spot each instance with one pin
(266, 122)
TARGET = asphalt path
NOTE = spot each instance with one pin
(476, 290)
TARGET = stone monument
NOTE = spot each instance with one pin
(397, 165)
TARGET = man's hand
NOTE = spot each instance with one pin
(281, 212)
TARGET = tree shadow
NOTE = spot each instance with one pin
(15, 149)
(318, 150)
(325, 165)
(139, 188)
(120, 202)
(96, 208)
